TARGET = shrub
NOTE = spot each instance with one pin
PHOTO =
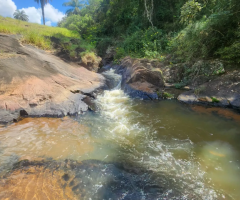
(120, 53)
(230, 53)
(168, 95)
(150, 43)
(88, 57)
(179, 85)
(103, 44)
(215, 100)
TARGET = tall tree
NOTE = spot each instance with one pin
(21, 15)
(76, 6)
(43, 3)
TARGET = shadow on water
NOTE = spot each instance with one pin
(89, 179)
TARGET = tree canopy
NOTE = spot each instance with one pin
(76, 6)
(21, 15)
(187, 29)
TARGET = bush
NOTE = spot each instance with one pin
(82, 24)
(209, 36)
(120, 53)
(230, 53)
(150, 44)
(103, 44)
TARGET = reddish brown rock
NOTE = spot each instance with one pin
(35, 83)
(141, 79)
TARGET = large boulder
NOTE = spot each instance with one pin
(36, 83)
(140, 79)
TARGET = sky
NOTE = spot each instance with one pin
(54, 11)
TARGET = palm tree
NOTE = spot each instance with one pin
(76, 6)
(21, 15)
(43, 3)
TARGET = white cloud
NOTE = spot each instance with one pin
(53, 14)
(34, 15)
(49, 23)
(7, 8)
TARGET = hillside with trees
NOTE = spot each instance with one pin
(155, 28)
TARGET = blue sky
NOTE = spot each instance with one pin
(53, 11)
(31, 3)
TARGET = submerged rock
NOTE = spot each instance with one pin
(36, 83)
(90, 179)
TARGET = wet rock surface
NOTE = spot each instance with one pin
(90, 179)
(140, 79)
(36, 83)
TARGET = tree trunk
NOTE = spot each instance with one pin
(42, 4)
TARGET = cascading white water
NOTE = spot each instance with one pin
(116, 108)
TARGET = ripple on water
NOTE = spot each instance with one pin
(143, 150)
(45, 137)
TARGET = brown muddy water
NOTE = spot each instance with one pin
(129, 149)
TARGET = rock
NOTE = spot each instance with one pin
(35, 83)
(173, 74)
(223, 91)
(109, 56)
(188, 97)
(89, 179)
(140, 79)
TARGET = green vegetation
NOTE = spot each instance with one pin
(34, 34)
(168, 95)
(76, 6)
(180, 85)
(215, 100)
(21, 15)
(186, 29)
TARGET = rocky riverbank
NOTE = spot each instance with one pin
(36, 83)
(211, 83)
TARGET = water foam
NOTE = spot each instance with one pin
(116, 108)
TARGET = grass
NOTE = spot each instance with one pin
(168, 95)
(34, 34)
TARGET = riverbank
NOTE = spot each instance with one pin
(36, 83)
(209, 82)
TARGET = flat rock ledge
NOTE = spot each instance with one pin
(37, 84)
(221, 91)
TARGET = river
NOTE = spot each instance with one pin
(162, 149)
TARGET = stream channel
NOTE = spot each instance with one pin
(127, 149)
